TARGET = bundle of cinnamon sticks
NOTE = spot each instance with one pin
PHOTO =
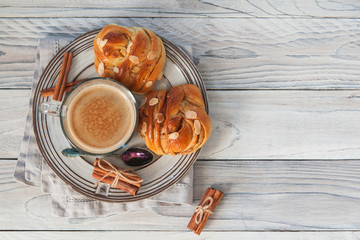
(63, 75)
(51, 91)
(206, 206)
(126, 180)
(62, 86)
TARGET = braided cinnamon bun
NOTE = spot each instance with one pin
(174, 122)
(133, 56)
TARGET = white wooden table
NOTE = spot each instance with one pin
(282, 80)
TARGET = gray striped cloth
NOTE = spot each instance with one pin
(31, 169)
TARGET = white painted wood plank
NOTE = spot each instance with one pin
(247, 124)
(229, 53)
(106, 235)
(192, 8)
(284, 125)
(259, 196)
(13, 111)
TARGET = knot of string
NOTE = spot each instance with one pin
(119, 173)
(201, 209)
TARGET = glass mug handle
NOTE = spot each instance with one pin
(50, 108)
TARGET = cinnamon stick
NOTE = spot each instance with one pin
(122, 179)
(50, 91)
(61, 76)
(64, 80)
(204, 210)
(120, 184)
(137, 181)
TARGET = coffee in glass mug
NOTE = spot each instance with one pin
(98, 116)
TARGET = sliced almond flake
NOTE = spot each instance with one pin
(151, 55)
(153, 101)
(160, 76)
(143, 128)
(197, 126)
(174, 135)
(116, 70)
(132, 75)
(101, 69)
(143, 101)
(160, 117)
(98, 41)
(123, 52)
(129, 47)
(190, 114)
(103, 42)
(134, 59)
(135, 69)
(149, 84)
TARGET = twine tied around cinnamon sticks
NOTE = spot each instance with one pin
(208, 203)
(118, 172)
(126, 180)
(200, 210)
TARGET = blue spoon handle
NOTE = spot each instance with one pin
(70, 152)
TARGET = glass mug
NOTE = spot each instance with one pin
(98, 116)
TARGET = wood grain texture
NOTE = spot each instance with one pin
(13, 111)
(247, 124)
(229, 53)
(270, 151)
(172, 235)
(174, 8)
(283, 125)
(259, 196)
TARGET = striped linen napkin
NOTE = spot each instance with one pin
(31, 169)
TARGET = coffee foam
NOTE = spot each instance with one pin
(100, 119)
